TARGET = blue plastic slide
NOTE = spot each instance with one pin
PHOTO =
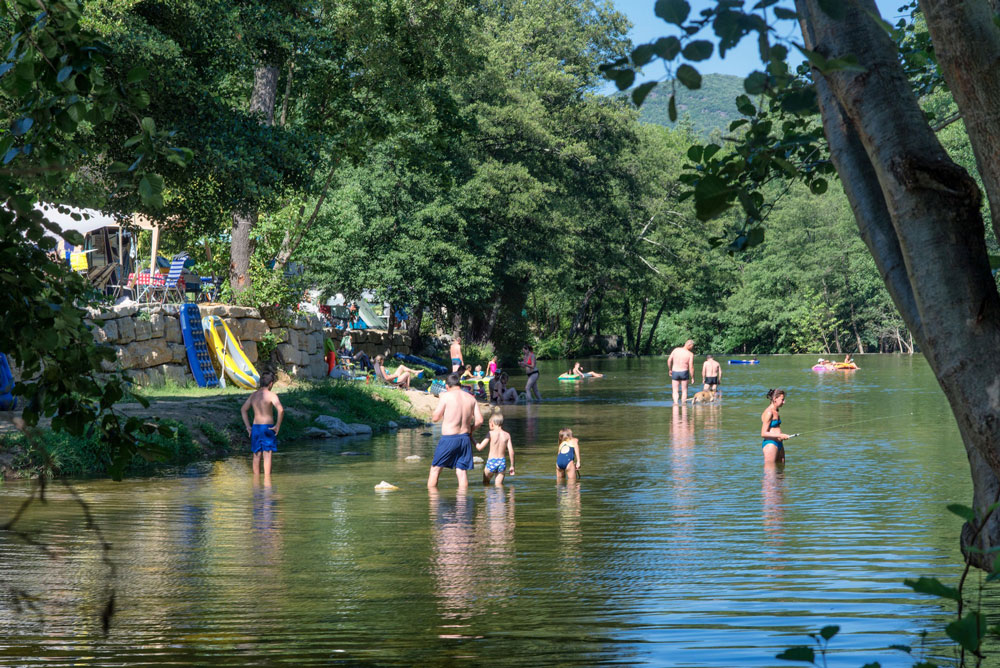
(7, 400)
(413, 359)
(197, 348)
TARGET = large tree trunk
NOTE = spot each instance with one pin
(265, 90)
(628, 321)
(413, 328)
(582, 311)
(967, 48)
(652, 330)
(919, 214)
(638, 330)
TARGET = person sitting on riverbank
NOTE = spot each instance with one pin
(264, 431)
(567, 455)
(504, 394)
(773, 446)
(578, 371)
(400, 377)
(467, 372)
(479, 371)
(500, 448)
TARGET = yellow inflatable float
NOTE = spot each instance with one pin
(227, 355)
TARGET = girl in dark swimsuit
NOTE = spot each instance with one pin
(770, 429)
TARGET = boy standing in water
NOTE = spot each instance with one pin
(500, 446)
(264, 432)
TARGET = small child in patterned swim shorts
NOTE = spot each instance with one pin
(500, 446)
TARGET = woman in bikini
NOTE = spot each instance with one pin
(528, 362)
(770, 429)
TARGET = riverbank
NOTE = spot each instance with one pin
(208, 426)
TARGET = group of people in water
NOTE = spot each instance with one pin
(459, 413)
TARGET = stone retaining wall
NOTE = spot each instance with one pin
(149, 345)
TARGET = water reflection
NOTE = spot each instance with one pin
(773, 497)
(266, 525)
(453, 557)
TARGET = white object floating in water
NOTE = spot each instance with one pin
(385, 487)
(477, 459)
(413, 458)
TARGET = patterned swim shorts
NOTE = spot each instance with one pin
(496, 465)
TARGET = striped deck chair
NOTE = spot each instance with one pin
(175, 285)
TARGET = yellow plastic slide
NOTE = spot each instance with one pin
(227, 354)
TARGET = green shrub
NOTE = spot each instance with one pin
(478, 353)
(552, 348)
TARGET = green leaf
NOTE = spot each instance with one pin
(712, 196)
(802, 101)
(737, 123)
(966, 513)
(818, 186)
(689, 76)
(933, 586)
(64, 73)
(624, 79)
(672, 11)
(829, 631)
(641, 91)
(710, 150)
(667, 47)
(785, 14)
(21, 125)
(755, 238)
(672, 109)
(694, 153)
(643, 54)
(755, 83)
(801, 653)
(136, 74)
(700, 49)
(148, 124)
(745, 106)
(968, 631)
(73, 238)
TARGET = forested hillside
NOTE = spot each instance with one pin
(709, 108)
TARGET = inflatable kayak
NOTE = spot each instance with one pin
(230, 360)
(744, 361)
(433, 366)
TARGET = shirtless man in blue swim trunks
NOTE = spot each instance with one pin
(264, 432)
(681, 363)
(457, 361)
(459, 415)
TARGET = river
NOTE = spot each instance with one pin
(676, 547)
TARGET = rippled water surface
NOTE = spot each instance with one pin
(677, 547)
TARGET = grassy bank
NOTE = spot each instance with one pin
(206, 425)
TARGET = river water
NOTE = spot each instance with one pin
(677, 547)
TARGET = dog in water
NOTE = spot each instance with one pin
(704, 397)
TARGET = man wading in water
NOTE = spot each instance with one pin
(459, 415)
(681, 363)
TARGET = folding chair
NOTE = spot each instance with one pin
(174, 283)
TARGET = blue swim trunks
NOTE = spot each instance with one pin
(496, 465)
(263, 438)
(454, 452)
(456, 361)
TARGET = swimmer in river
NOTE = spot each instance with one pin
(770, 429)
(577, 370)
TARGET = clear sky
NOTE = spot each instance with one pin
(646, 27)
